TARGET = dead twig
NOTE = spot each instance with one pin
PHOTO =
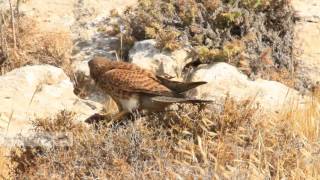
(13, 26)
(17, 8)
(4, 45)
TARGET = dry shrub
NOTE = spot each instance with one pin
(32, 46)
(55, 49)
(194, 142)
(218, 30)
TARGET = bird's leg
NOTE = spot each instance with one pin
(96, 118)
(118, 117)
(118, 105)
(141, 112)
(107, 118)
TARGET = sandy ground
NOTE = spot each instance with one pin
(53, 15)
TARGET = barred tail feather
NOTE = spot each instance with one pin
(166, 99)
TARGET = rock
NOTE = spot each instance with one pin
(224, 79)
(306, 47)
(99, 45)
(307, 10)
(146, 55)
(81, 68)
(307, 51)
(38, 91)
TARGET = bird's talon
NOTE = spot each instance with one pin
(97, 118)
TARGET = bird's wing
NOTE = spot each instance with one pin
(179, 87)
(135, 81)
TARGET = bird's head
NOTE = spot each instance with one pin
(98, 66)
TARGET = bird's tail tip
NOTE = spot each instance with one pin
(200, 101)
(180, 100)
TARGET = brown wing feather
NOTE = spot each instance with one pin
(135, 81)
(177, 86)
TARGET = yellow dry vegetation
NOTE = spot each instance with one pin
(4, 163)
(26, 45)
(194, 142)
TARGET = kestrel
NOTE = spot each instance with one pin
(134, 88)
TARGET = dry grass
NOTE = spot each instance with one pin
(192, 142)
(4, 163)
(32, 46)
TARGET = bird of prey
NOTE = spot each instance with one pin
(134, 88)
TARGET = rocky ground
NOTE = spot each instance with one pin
(306, 43)
(42, 91)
